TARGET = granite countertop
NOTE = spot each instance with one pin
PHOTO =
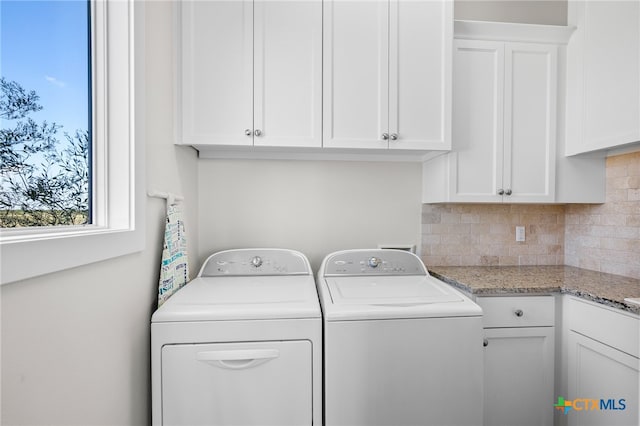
(607, 289)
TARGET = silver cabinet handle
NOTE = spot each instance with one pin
(258, 132)
(485, 342)
(508, 192)
(519, 312)
(394, 136)
(500, 191)
(247, 132)
(385, 136)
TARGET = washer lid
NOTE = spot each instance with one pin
(379, 290)
(385, 297)
(240, 298)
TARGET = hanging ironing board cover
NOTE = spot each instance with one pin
(174, 271)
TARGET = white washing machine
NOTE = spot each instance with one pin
(241, 344)
(400, 347)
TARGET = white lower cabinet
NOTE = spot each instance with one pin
(602, 373)
(518, 360)
(592, 363)
(602, 365)
(518, 383)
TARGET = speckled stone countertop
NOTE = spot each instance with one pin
(608, 289)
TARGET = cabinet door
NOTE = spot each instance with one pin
(598, 371)
(356, 62)
(530, 122)
(476, 161)
(420, 37)
(518, 376)
(603, 69)
(288, 73)
(215, 84)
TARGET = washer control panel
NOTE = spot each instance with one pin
(247, 262)
(373, 262)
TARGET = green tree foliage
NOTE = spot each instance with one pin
(43, 182)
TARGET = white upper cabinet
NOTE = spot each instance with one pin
(288, 73)
(504, 125)
(530, 122)
(250, 73)
(478, 97)
(420, 37)
(508, 139)
(603, 75)
(356, 79)
(387, 67)
(215, 85)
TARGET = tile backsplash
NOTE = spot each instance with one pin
(485, 234)
(603, 237)
(606, 237)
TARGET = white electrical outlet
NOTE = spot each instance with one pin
(520, 234)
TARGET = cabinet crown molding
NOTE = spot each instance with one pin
(513, 32)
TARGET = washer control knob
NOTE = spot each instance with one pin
(256, 261)
(374, 262)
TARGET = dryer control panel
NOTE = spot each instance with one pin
(248, 262)
(373, 262)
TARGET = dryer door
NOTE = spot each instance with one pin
(261, 383)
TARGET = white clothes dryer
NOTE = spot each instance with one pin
(241, 344)
(400, 347)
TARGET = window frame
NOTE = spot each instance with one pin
(118, 228)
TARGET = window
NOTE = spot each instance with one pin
(113, 211)
(45, 114)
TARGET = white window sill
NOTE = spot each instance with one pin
(37, 255)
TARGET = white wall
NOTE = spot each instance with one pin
(75, 344)
(313, 206)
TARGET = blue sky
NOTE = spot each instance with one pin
(43, 46)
